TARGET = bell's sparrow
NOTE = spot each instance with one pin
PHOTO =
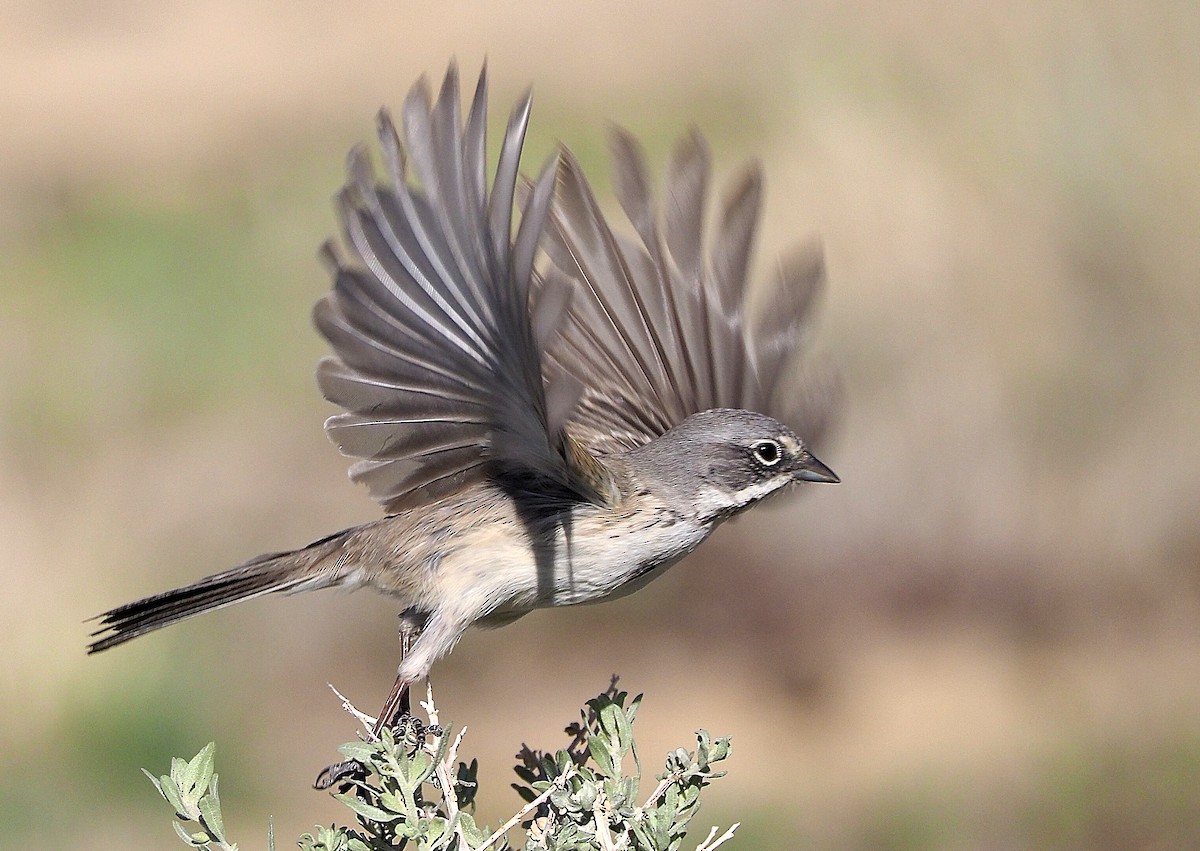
(549, 416)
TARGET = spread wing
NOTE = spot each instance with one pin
(663, 325)
(437, 360)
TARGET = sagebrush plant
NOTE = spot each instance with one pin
(418, 795)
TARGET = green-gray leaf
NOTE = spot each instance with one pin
(474, 834)
(157, 785)
(602, 756)
(170, 791)
(199, 771)
(361, 751)
(210, 811)
(367, 811)
(196, 840)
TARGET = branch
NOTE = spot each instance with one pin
(708, 844)
(363, 718)
(559, 783)
(445, 766)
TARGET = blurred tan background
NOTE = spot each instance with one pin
(987, 637)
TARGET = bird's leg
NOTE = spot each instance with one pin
(398, 703)
(397, 707)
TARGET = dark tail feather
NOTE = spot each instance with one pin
(291, 571)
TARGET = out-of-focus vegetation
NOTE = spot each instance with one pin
(987, 636)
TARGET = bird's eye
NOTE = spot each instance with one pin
(767, 452)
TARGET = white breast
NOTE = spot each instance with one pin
(497, 573)
(606, 557)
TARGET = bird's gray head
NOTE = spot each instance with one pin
(721, 461)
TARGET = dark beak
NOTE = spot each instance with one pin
(809, 469)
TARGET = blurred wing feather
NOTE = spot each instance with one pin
(436, 361)
(664, 325)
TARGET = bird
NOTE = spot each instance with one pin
(551, 411)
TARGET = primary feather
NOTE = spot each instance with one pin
(436, 362)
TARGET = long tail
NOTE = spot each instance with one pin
(303, 569)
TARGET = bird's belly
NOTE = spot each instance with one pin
(594, 556)
(590, 568)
